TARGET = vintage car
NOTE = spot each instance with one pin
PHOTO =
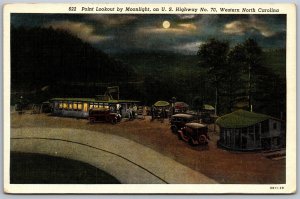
(179, 120)
(194, 134)
(103, 115)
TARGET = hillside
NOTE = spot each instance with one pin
(45, 57)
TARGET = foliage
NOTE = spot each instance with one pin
(43, 56)
(213, 55)
(69, 67)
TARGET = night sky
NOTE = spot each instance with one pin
(180, 33)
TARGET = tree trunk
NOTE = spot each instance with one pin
(217, 101)
(249, 90)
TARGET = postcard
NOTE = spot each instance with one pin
(150, 98)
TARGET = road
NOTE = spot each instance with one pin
(128, 161)
(223, 166)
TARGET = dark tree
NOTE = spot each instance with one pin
(252, 62)
(234, 85)
(213, 56)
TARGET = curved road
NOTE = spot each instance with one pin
(128, 161)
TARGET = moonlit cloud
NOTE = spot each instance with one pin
(188, 48)
(191, 16)
(83, 31)
(150, 30)
(179, 29)
(188, 26)
(118, 33)
(240, 27)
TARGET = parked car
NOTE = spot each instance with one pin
(194, 134)
(103, 115)
(179, 120)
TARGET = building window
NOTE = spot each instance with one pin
(274, 125)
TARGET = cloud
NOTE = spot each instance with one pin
(190, 16)
(188, 48)
(188, 26)
(179, 29)
(81, 30)
(112, 20)
(240, 27)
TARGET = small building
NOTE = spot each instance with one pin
(245, 131)
(79, 107)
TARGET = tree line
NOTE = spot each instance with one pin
(65, 66)
(240, 78)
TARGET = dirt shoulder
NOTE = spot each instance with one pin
(221, 165)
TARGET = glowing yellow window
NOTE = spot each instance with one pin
(79, 106)
(70, 106)
(85, 107)
(91, 106)
(60, 105)
(65, 105)
(75, 106)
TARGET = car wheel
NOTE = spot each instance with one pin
(191, 142)
(202, 139)
(179, 136)
(92, 121)
(114, 121)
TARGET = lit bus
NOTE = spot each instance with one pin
(79, 107)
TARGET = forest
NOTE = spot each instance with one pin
(48, 63)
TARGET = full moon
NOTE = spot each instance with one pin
(166, 24)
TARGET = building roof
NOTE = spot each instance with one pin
(240, 119)
(161, 103)
(93, 100)
(208, 107)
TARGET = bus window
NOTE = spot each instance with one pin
(56, 105)
(70, 105)
(75, 106)
(85, 107)
(65, 105)
(79, 106)
(91, 106)
(60, 105)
